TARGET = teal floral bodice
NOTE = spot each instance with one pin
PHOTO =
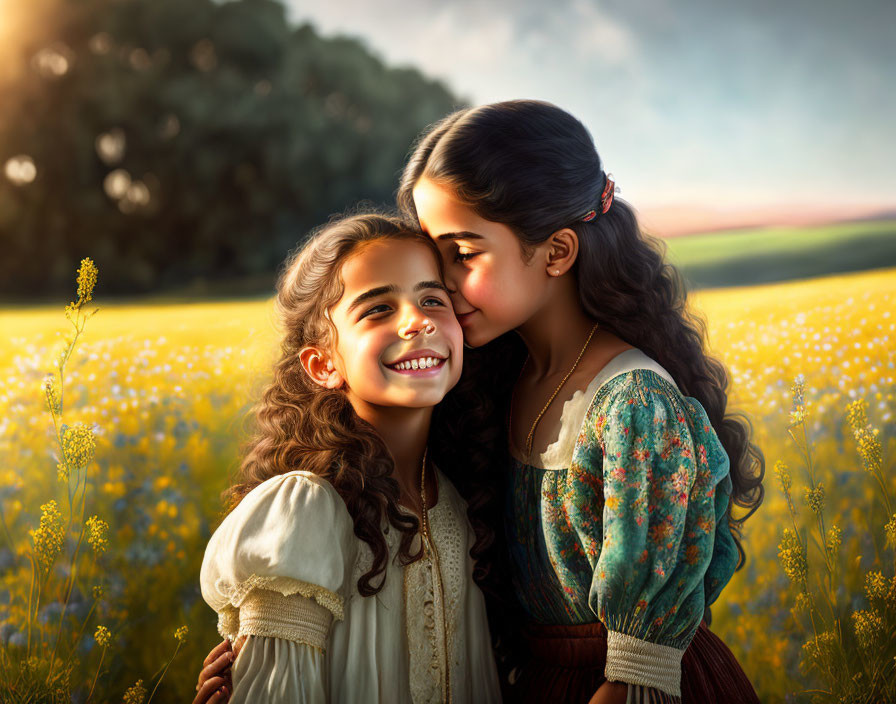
(634, 532)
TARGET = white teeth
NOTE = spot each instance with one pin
(421, 363)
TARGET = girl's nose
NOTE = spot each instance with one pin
(415, 324)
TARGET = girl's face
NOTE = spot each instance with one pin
(493, 290)
(399, 343)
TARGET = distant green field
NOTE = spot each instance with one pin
(742, 257)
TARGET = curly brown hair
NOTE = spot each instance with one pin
(302, 425)
(533, 166)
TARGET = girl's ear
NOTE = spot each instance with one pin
(562, 250)
(319, 367)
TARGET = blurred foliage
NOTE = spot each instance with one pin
(184, 140)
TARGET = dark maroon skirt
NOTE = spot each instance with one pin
(566, 664)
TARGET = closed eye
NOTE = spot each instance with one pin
(465, 256)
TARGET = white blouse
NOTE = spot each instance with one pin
(283, 568)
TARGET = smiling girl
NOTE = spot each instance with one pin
(343, 565)
(624, 463)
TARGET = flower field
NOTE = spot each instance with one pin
(165, 390)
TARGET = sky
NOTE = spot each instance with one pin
(707, 112)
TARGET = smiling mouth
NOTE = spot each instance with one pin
(419, 364)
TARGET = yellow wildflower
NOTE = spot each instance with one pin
(87, 274)
(52, 393)
(866, 437)
(793, 559)
(180, 634)
(798, 391)
(98, 591)
(833, 540)
(79, 444)
(102, 636)
(135, 694)
(814, 498)
(890, 531)
(785, 481)
(818, 652)
(870, 451)
(62, 472)
(856, 414)
(97, 533)
(803, 602)
(876, 586)
(49, 536)
(783, 475)
(869, 628)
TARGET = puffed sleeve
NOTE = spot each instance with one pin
(666, 549)
(278, 570)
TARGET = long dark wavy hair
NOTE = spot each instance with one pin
(534, 167)
(301, 425)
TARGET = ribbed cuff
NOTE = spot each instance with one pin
(636, 661)
(294, 617)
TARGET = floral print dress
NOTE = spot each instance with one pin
(631, 528)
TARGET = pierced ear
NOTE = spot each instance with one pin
(563, 248)
(319, 368)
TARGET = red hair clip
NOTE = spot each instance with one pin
(606, 200)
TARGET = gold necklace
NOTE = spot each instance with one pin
(424, 524)
(531, 436)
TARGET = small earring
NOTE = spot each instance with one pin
(555, 272)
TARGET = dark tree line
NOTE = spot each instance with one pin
(176, 140)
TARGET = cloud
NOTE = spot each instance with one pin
(682, 96)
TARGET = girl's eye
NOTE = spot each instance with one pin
(460, 256)
(382, 307)
(436, 301)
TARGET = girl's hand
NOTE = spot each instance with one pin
(215, 683)
(610, 693)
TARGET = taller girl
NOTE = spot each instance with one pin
(623, 465)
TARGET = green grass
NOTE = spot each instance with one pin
(742, 257)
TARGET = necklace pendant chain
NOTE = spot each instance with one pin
(424, 523)
(530, 438)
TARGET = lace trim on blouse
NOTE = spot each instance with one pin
(267, 613)
(432, 665)
(637, 661)
(558, 455)
(287, 586)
